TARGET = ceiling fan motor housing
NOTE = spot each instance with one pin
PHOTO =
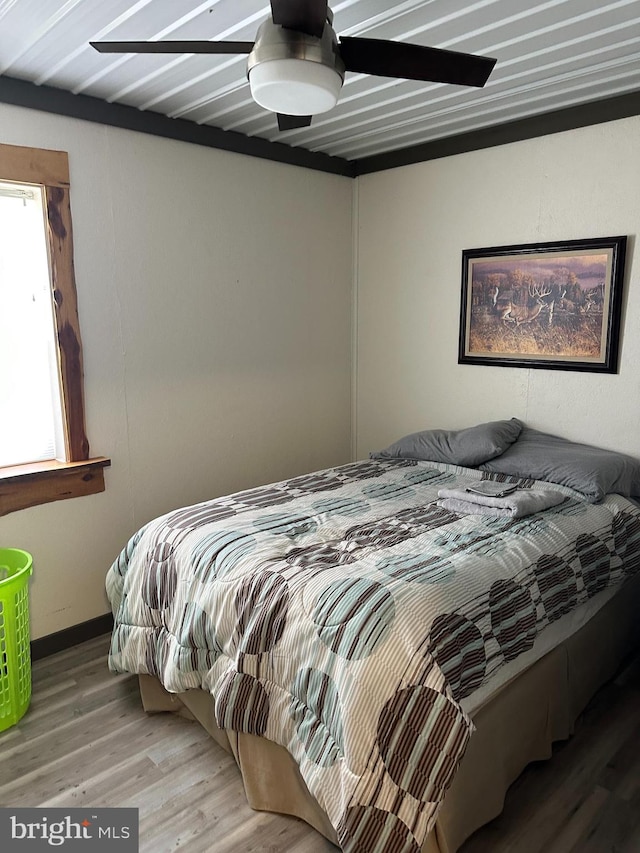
(295, 73)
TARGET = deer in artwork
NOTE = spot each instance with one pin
(588, 302)
(520, 314)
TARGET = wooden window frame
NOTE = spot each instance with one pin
(23, 486)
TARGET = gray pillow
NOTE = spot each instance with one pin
(592, 471)
(460, 447)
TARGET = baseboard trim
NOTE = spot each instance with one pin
(65, 639)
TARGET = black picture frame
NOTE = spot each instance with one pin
(550, 305)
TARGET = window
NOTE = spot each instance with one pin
(44, 452)
(31, 430)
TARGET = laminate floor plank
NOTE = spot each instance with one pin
(60, 664)
(76, 734)
(86, 741)
(88, 756)
(65, 708)
(129, 778)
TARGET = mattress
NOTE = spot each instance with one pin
(346, 616)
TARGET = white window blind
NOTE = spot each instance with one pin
(30, 411)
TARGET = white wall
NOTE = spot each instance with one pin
(414, 222)
(214, 296)
(215, 306)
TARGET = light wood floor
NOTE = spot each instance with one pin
(86, 741)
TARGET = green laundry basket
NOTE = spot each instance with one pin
(15, 649)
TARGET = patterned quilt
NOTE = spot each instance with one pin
(344, 615)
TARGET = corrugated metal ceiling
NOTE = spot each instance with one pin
(551, 55)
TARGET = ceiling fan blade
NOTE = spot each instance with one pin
(414, 61)
(172, 46)
(286, 122)
(305, 17)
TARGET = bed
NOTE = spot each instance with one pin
(381, 664)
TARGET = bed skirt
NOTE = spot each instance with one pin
(515, 726)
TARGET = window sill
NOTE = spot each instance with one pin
(23, 486)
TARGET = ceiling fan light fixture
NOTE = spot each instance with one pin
(296, 67)
(293, 73)
(295, 86)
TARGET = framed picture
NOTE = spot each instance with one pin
(551, 305)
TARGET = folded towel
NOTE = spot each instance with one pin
(515, 505)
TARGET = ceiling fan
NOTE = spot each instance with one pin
(296, 65)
